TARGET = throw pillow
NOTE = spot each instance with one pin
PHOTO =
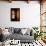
(17, 30)
(23, 30)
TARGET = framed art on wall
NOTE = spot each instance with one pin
(15, 14)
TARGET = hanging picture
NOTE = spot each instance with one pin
(15, 14)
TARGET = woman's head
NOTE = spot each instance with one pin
(13, 12)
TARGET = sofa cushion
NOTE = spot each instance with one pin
(11, 30)
(20, 37)
(28, 31)
(17, 30)
(23, 30)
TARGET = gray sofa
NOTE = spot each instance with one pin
(17, 35)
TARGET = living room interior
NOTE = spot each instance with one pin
(22, 21)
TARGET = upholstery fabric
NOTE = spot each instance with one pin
(11, 30)
(17, 30)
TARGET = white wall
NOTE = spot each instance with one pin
(29, 14)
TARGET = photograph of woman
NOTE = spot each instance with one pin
(15, 14)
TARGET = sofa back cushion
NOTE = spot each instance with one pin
(17, 30)
(26, 31)
(11, 30)
(23, 31)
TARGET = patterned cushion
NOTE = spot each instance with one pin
(11, 30)
(17, 30)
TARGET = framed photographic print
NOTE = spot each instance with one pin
(15, 14)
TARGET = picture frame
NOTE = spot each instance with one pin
(15, 14)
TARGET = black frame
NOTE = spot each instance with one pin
(17, 14)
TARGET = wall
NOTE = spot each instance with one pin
(29, 14)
